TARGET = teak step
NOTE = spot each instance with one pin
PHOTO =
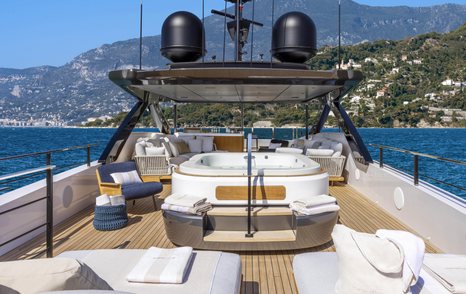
(257, 211)
(260, 236)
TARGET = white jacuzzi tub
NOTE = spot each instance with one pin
(211, 175)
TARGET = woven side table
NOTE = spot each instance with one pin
(109, 218)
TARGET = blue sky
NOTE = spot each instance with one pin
(52, 32)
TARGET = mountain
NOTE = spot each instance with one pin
(80, 89)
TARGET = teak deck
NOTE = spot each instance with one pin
(263, 272)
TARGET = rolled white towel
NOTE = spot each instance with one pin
(103, 200)
(316, 201)
(159, 265)
(315, 210)
(117, 200)
(185, 200)
(413, 249)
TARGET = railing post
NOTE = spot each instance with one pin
(381, 156)
(249, 147)
(88, 155)
(416, 170)
(49, 229)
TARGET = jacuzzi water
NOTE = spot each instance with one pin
(206, 175)
(262, 164)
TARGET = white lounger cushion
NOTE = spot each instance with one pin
(220, 272)
(317, 273)
(319, 152)
(53, 274)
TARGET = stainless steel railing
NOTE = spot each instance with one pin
(34, 172)
(416, 158)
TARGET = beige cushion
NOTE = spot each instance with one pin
(125, 178)
(182, 147)
(53, 274)
(195, 146)
(366, 264)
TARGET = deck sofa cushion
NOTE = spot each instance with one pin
(319, 152)
(178, 160)
(155, 150)
(367, 263)
(207, 144)
(195, 146)
(133, 191)
(187, 138)
(218, 271)
(126, 178)
(140, 148)
(317, 273)
(40, 275)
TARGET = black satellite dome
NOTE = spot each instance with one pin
(182, 37)
(294, 38)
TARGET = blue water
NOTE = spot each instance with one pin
(447, 143)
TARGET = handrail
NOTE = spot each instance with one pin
(49, 203)
(249, 147)
(416, 156)
(419, 154)
(49, 151)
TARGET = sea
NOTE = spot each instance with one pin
(445, 143)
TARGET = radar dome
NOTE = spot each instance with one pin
(294, 38)
(182, 37)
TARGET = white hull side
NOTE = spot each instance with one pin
(74, 190)
(435, 214)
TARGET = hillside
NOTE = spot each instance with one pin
(80, 89)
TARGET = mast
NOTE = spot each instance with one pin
(140, 37)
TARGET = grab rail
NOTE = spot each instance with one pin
(249, 147)
(49, 199)
(35, 172)
(416, 157)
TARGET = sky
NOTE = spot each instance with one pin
(53, 32)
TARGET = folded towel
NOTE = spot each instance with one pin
(185, 200)
(102, 200)
(413, 249)
(160, 265)
(449, 270)
(199, 209)
(316, 200)
(117, 200)
(314, 210)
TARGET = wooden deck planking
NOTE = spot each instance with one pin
(263, 272)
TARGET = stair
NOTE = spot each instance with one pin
(262, 219)
(259, 237)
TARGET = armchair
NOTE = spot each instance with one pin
(130, 191)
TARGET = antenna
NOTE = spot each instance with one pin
(224, 30)
(238, 28)
(140, 38)
(252, 32)
(203, 32)
(271, 27)
(339, 34)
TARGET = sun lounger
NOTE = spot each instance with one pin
(317, 273)
(209, 271)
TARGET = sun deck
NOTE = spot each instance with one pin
(263, 272)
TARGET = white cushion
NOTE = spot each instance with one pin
(289, 150)
(131, 177)
(326, 145)
(367, 264)
(51, 274)
(319, 152)
(337, 147)
(155, 150)
(207, 144)
(336, 154)
(140, 149)
(174, 149)
(275, 145)
(195, 146)
(186, 138)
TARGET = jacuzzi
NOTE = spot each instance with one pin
(278, 178)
